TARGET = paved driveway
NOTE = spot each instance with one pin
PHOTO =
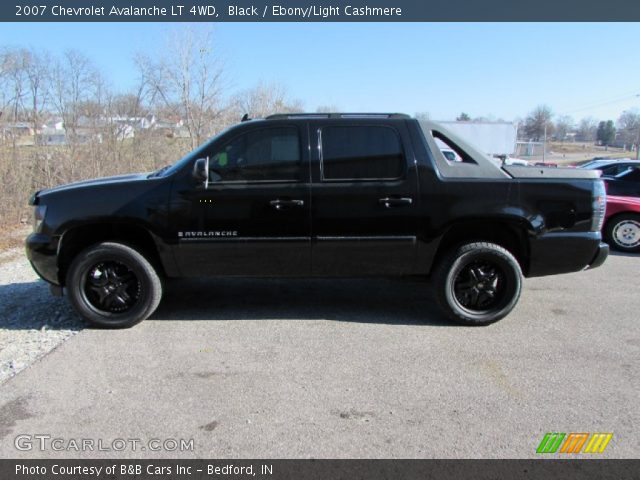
(366, 368)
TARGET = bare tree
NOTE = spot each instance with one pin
(629, 127)
(265, 99)
(127, 105)
(74, 81)
(77, 92)
(24, 76)
(187, 79)
(587, 129)
(538, 122)
(13, 85)
(563, 126)
(327, 109)
(36, 67)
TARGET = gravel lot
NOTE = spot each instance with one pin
(326, 369)
(32, 322)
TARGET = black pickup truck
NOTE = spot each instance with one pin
(323, 195)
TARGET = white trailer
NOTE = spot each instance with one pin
(492, 138)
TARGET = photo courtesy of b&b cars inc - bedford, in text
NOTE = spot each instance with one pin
(336, 240)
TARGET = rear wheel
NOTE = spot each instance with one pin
(478, 283)
(112, 285)
(623, 232)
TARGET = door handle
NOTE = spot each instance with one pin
(282, 204)
(390, 202)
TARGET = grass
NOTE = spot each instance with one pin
(575, 152)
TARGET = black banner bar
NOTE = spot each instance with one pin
(318, 469)
(321, 11)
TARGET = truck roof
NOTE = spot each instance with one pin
(292, 116)
(479, 167)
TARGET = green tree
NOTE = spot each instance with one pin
(606, 132)
(463, 117)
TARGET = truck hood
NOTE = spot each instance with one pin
(550, 172)
(100, 181)
(116, 179)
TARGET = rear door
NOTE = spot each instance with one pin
(364, 199)
(627, 183)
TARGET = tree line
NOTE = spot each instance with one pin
(541, 121)
(184, 86)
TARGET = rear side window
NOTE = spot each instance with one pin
(269, 154)
(631, 175)
(613, 170)
(361, 153)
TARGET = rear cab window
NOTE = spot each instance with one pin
(361, 152)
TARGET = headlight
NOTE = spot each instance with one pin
(38, 217)
(599, 206)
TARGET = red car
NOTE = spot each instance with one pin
(622, 223)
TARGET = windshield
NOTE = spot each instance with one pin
(197, 153)
(595, 164)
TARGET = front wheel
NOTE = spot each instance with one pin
(478, 283)
(623, 232)
(112, 285)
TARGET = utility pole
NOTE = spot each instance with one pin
(638, 139)
(544, 143)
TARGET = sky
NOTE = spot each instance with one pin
(497, 70)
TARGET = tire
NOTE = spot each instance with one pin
(112, 285)
(477, 283)
(623, 232)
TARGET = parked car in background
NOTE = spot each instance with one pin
(450, 155)
(625, 184)
(516, 161)
(611, 167)
(588, 164)
(622, 223)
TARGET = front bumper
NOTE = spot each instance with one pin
(42, 252)
(565, 252)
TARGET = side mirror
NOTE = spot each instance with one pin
(201, 171)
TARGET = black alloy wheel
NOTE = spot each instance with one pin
(112, 287)
(477, 283)
(479, 286)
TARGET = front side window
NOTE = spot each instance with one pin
(361, 153)
(269, 154)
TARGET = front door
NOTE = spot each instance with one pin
(252, 216)
(364, 200)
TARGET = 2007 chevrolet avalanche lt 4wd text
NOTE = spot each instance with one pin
(323, 195)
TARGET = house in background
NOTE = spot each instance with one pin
(21, 133)
(52, 132)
